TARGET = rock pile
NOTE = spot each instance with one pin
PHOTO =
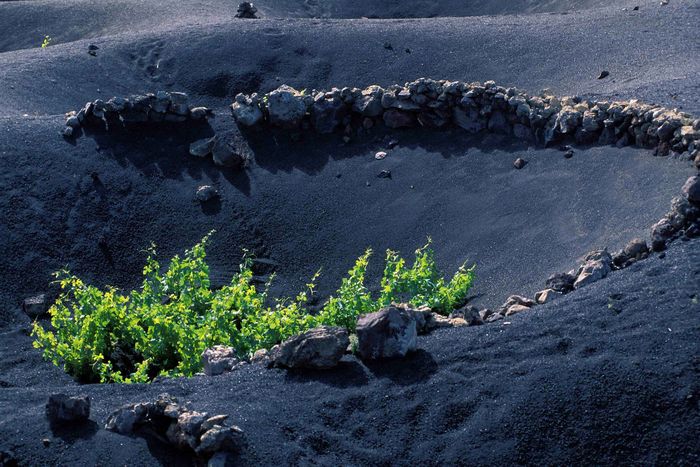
(186, 429)
(474, 107)
(171, 107)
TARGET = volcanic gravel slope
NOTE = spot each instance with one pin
(609, 374)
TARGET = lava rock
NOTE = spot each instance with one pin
(547, 295)
(603, 74)
(286, 107)
(369, 104)
(519, 163)
(206, 193)
(224, 155)
(518, 300)
(597, 265)
(515, 309)
(561, 282)
(221, 439)
(635, 250)
(35, 306)
(246, 110)
(691, 190)
(61, 408)
(219, 359)
(318, 348)
(246, 10)
(660, 233)
(202, 147)
(470, 314)
(387, 333)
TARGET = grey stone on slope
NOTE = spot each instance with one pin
(387, 333)
(318, 348)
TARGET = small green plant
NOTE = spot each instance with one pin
(163, 327)
(46, 42)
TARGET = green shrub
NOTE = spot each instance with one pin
(163, 327)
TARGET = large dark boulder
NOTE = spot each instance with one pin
(62, 408)
(387, 333)
(318, 348)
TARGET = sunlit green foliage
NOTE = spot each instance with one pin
(163, 327)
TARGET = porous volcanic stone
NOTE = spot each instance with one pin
(387, 333)
(318, 348)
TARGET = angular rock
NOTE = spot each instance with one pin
(246, 110)
(221, 439)
(286, 107)
(635, 250)
(219, 359)
(592, 271)
(470, 314)
(387, 333)
(519, 163)
(515, 309)
(127, 418)
(660, 233)
(35, 306)
(67, 409)
(494, 317)
(369, 104)
(202, 147)
(518, 300)
(691, 190)
(246, 10)
(547, 295)
(261, 357)
(318, 348)
(561, 282)
(224, 155)
(185, 432)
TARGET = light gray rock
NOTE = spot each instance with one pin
(246, 110)
(318, 348)
(515, 309)
(547, 295)
(219, 359)
(387, 333)
(286, 107)
(593, 270)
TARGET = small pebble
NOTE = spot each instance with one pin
(569, 154)
(384, 174)
(519, 163)
(380, 155)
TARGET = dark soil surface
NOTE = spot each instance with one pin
(607, 375)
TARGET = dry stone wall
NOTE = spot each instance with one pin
(474, 107)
